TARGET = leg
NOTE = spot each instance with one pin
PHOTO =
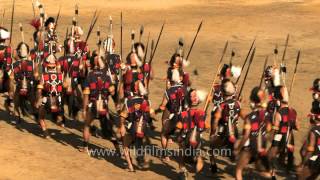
(42, 113)
(127, 141)
(164, 132)
(273, 152)
(244, 158)
(86, 130)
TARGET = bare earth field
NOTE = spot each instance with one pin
(25, 155)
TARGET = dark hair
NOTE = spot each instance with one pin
(315, 107)
(173, 58)
(48, 21)
(316, 84)
(137, 44)
(224, 69)
(254, 96)
(22, 43)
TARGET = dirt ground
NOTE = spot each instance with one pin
(25, 155)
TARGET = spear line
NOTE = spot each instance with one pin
(215, 77)
(141, 33)
(57, 20)
(285, 50)
(155, 48)
(194, 40)
(245, 61)
(12, 14)
(231, 58)
(65, 40)
(33, 10)
(245, 77)
(21, 31)
(121, 33)
(295, 72)
(283, 69)
(2, 20)
(151, 49)
(132, 41)
(275, 59)
(264, 67)
(92, 24)
(147, 47)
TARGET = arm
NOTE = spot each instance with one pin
(276, 125)
(246, 134)
(310, 148)
(216, 119)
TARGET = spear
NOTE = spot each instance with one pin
(295, 72)
(132, 41)
(245, 61)
(21, 31)
(283, 68)
(151, 49)
(275, 59)
(155, 48)
(245, 77)
(12, 14)
(33, 10)
(2, 20)
(76, 12)
(194, 40)
(284, 53)
(264, 67)
(121, 34)
(215, 77)
(98, 35)
(141, 32)
(92, 24)
(66, 40)
(57, 20)
(147, 47)
(231, 58)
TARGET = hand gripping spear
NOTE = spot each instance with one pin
(194, 40)
(215, 77)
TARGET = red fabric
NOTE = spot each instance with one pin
(284, 129)
(93, 86)
(285, 118)
(255, 126)
(46, 77)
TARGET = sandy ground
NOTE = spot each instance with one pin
(25, 155)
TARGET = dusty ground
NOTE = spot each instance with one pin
(25, 155)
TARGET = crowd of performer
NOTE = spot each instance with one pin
(69, 78)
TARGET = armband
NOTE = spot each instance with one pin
(162, 107)
(86, 91)
(310, 148)
(247, 126)
(40, 86)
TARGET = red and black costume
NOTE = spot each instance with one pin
(24, 69)
(52, 91)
